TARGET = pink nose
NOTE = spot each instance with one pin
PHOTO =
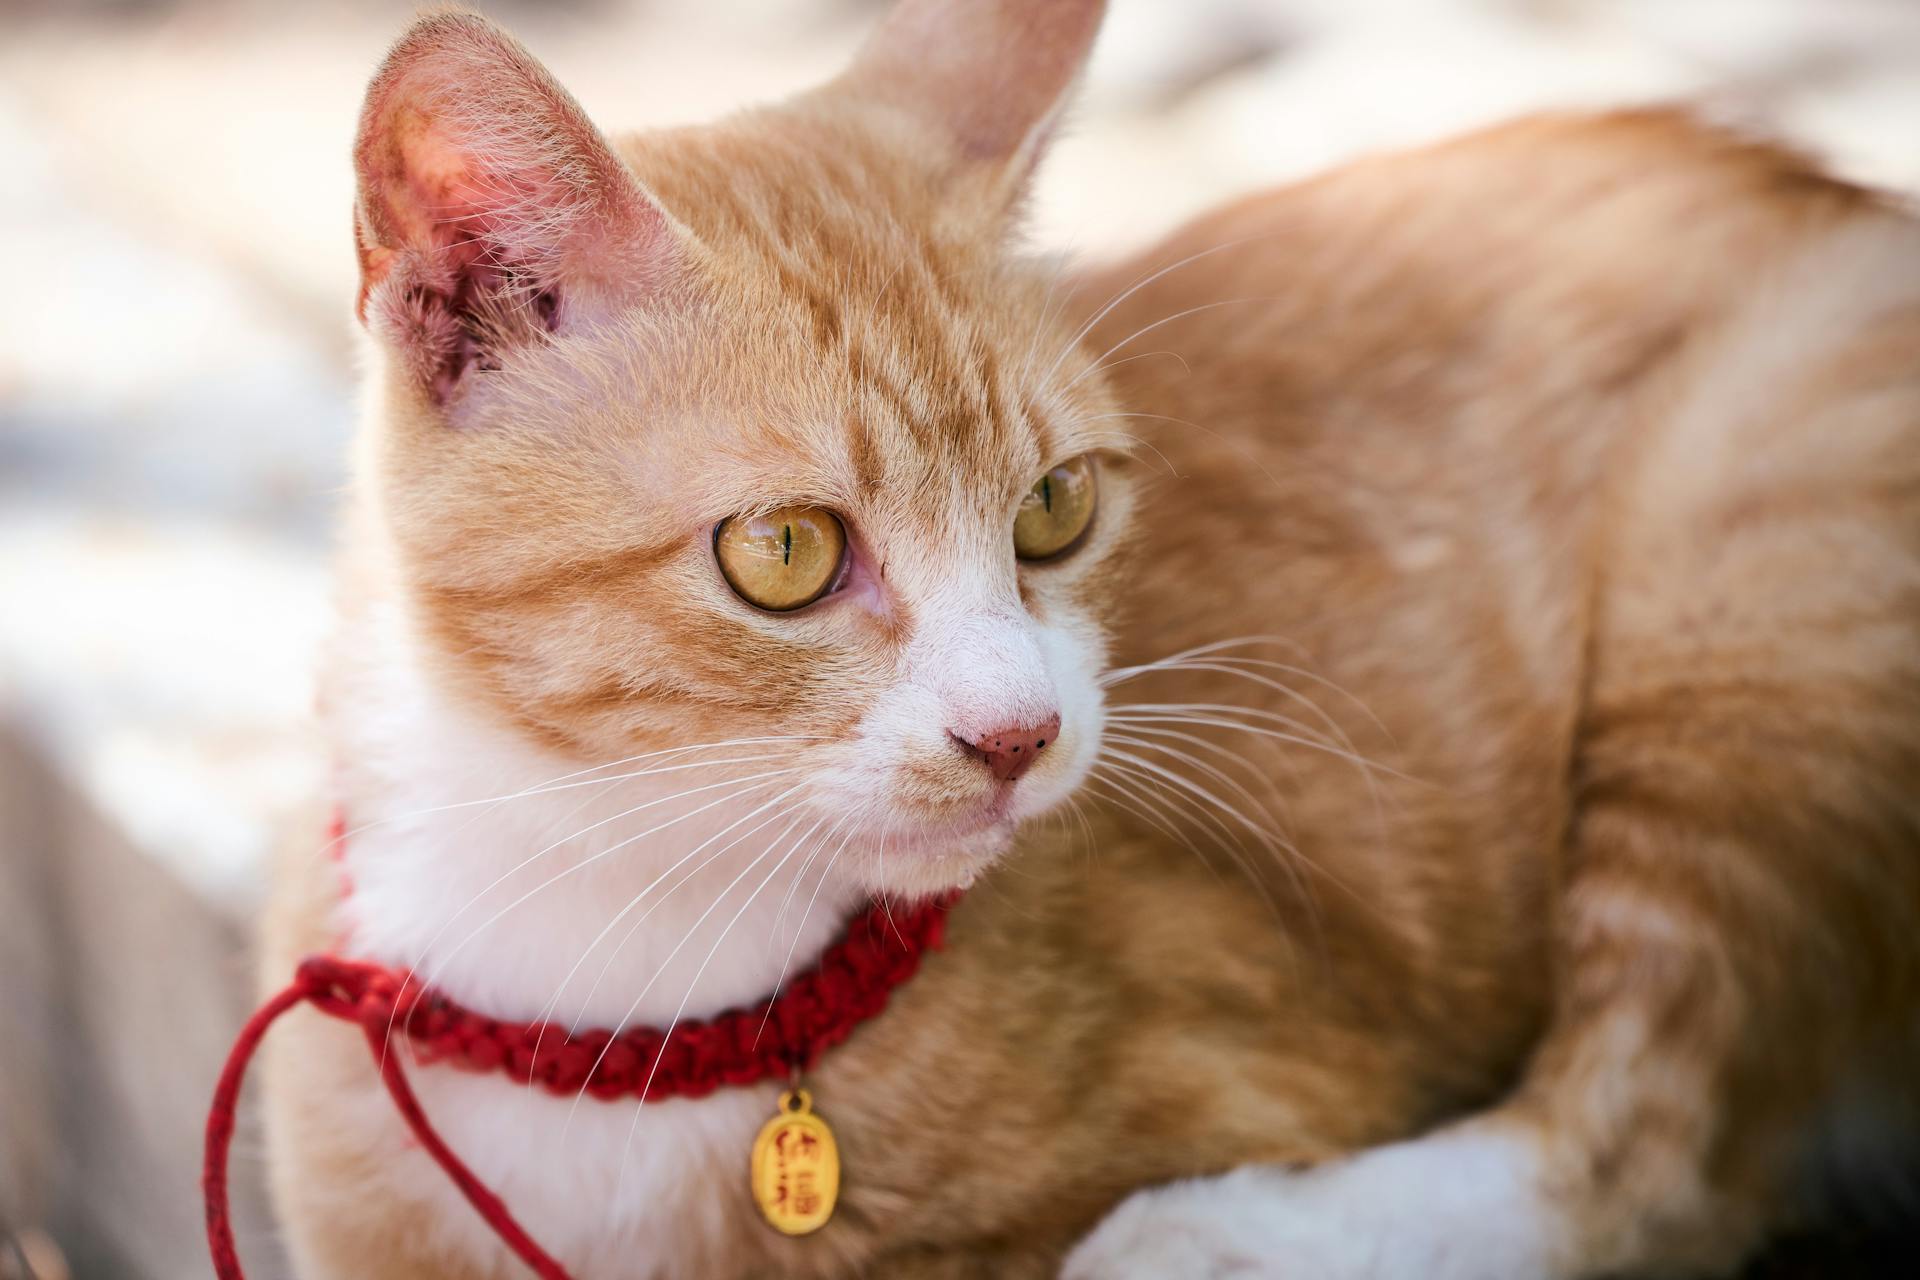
(1010, 752)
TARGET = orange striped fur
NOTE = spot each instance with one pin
(1519, 874)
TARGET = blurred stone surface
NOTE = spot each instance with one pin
(122, 988)
(176, 362)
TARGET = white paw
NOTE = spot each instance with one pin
(1459, 1206)
(1201, 1229)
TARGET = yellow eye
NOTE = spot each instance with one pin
(1055, 512)
(782, 560)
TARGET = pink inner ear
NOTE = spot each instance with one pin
(466, 286)
(446, 224)
(434, 178)
(486, 198)
(414, 198)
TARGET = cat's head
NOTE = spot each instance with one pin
(757, 431)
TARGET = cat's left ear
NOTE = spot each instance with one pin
(490, 211)
(987, 79)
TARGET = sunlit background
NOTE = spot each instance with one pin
(176, 390)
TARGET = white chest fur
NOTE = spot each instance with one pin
(666, 888)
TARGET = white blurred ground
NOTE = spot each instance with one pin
(176, 384)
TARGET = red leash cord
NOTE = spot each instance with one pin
(817, 1010)
(353, 993)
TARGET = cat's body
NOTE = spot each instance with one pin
(1556, 492)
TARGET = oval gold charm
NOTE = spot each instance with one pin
(796, 1167)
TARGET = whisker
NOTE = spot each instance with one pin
(786, 899)
(1230, 845)
(509, 873)
(754, 782)
(1135, 287)
(1079, 814)
(1220, 652)
(1199, 651)
(1140, 809)
(1222, 716)
(1237, 446)
(1295, 733)
(1143, 738)
(1099, 361)
(886, 908)
(665, 964)
(587, 1001)
(1283, 850)
(552, 784)
(749, 784)
(1220, 713)
(1144, 355)
(1219, 775)
(1304, 674)
(801, 928)
(1124, 766)
(1226, 666)
(1277, 847)
(1124, 442)
(1047, 315)
(667, 1039)
(1229, 665)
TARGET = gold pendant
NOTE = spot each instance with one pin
(796, 1167)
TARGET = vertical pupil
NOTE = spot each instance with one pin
(1046, 493)
(786, 544)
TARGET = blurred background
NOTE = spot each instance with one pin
(176, 391)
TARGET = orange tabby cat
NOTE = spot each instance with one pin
(1468, 605)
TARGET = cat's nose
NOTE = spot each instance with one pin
(1011, 751)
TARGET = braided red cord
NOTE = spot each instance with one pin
(820, 1008)
(226, 1093)
(343, 990)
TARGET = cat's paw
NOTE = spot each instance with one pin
(1206, 1229)
(1454, 1207)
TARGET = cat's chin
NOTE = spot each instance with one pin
(937, 860)
(916, 859)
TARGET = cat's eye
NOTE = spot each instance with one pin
(785, 559)
(1055, 512)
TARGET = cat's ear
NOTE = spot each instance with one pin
(490, 211)
(990, 78)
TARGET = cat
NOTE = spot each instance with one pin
(1461, 616)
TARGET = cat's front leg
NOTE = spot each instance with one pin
(1462, 1204)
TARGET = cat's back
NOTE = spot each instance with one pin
(1561, 250)
(1625, 222)
(1479, 352)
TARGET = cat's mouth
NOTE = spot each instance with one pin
(938, 814)
(980, 827)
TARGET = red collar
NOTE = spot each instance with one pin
(818, 1009)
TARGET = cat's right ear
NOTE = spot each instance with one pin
(490, 212)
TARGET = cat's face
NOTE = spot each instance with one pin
(775, 444)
